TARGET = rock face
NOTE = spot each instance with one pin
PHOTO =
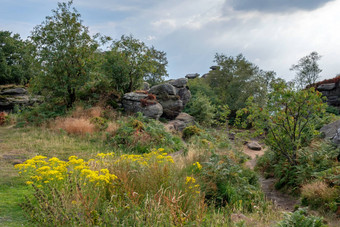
(132, 103)
(332, 92)
(182, 121)
(182, 90)
(253, 145)
(332, 132)
(171, 96)
(11, 96)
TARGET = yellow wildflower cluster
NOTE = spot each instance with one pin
(102, 177)
(197, 165)
(104, 155)
(147, 158)
(191, 183)
(55, 170)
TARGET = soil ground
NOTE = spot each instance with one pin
(282, 201)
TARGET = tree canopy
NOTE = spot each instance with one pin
(130, 61)
(15, 59)
(64, 50)
(307, 70)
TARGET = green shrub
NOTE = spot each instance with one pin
(202, 109)
(139, 135)
(191, 131)
(300, 219)
(332, 110)
(227, 184)
(312, 162)
(99, 122)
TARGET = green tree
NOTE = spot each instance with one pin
(289, 118)
(64, 55)
(307, 70)
(130, 61)
(236, 80)
(15, 59)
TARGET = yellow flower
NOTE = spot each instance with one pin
(190, 179)
(29, 182)
(160, 149)
(46, 181)
(198, 165)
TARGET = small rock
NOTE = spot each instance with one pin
(253, 145)
(192, 76)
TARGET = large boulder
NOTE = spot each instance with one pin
(167, 96)
(179, 83)
(330, 130)
(181, 89)
(132, 102)
(182, 121)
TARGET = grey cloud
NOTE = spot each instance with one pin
(276, 5)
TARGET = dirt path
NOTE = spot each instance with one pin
(281, 200)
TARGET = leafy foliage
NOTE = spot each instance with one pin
(15, 59)
(289, 119)
(300, 219)
(140, 135)
(64, 50)
(130, 61)
(236, 80)
(202, 109)
(307, 70)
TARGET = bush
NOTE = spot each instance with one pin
(140, 135)
(226, 183)
(319, 194)
(312, 162)
(3, 117)
(99, 122)
(300, 219)
(202, 109)
(191, 131)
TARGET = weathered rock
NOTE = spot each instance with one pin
(132, 103)
(192, 76)
(14, 91)
(11, 96)
(184, 94)
(182, 121)
(330, 130)
(163, 90)
(171, 108)
(326, 87)
(167, 96)
(214, 67)
(336, 137)
(179, 83)
(253, 145)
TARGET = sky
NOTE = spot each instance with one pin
(273, 34)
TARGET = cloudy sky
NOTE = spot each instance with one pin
(273, 34)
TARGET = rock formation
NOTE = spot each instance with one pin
(134, 102)
(11, 95)
(182, 121)
(171, 96)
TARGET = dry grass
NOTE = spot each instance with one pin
(318, 190)
(112, 128)
(80, 112)
(79, 126)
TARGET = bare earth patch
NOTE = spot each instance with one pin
(281, 200)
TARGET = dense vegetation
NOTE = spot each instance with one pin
(84, 162)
